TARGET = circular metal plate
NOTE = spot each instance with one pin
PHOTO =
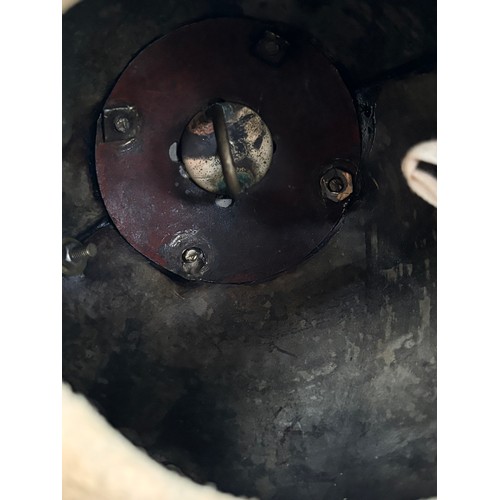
(279, 221)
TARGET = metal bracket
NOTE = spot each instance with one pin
(120, 123)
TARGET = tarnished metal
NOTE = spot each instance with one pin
(336, 184)
(226, 148)
(191, 255)
(194, 260)
(278, 221)
(120, 123)
(75, 256)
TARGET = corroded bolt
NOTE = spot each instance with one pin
(192, 255)
(193, 261)
(122, 124)
(336, 185)
(85, 252)
(75, 256)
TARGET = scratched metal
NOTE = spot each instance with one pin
(278, 222)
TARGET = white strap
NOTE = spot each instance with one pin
(420, 182)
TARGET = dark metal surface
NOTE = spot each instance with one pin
(318, 385)
(271, 48)
(280, 221)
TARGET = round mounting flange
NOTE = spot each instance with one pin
(189, 223)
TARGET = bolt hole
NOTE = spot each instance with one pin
(336, 185)
(173, 152)
(223, 202)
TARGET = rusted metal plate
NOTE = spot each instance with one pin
(279, 221)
